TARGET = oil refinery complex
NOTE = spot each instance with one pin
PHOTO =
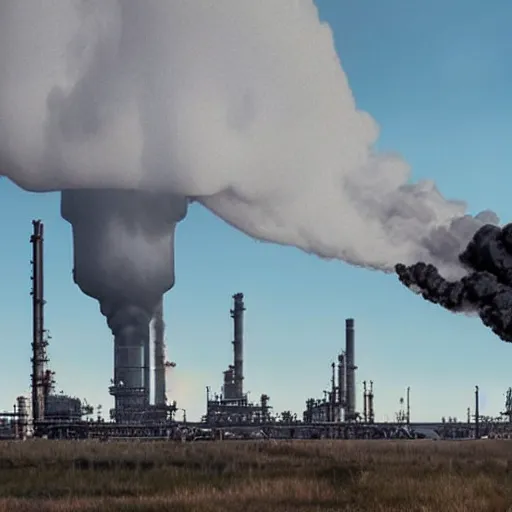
(228, 414)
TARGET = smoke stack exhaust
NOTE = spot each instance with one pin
(39, 359)
(351, 369)
(123, 120)
(159, 354)
(123, 244)
(237, 314)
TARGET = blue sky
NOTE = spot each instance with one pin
(437, 78)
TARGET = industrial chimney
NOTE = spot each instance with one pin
(351, 369)
(237, 314)
(159, 354)
(39, 343)
(143, 223)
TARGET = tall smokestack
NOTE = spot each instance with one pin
(130, 326)
(159, 353)
(351, 369)
(124, 257)
(39, 342)
(237, 314)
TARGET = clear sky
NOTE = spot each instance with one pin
(437, 78)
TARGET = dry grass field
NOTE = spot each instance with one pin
(264, 476)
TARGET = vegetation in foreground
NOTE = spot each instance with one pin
(268, 476)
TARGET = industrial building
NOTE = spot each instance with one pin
(47, 413)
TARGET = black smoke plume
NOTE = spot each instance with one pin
(487, 287)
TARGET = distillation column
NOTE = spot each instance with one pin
(351, 369)
(341, 385)
(237, 314)
(39, 342)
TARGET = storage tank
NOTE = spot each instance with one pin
(23, 416)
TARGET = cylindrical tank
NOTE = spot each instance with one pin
(229, 387)
(22, 409)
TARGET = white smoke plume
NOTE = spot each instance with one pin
(240, 104)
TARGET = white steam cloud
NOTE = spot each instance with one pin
(240, 104)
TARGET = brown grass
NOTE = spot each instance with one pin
(264, 476)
